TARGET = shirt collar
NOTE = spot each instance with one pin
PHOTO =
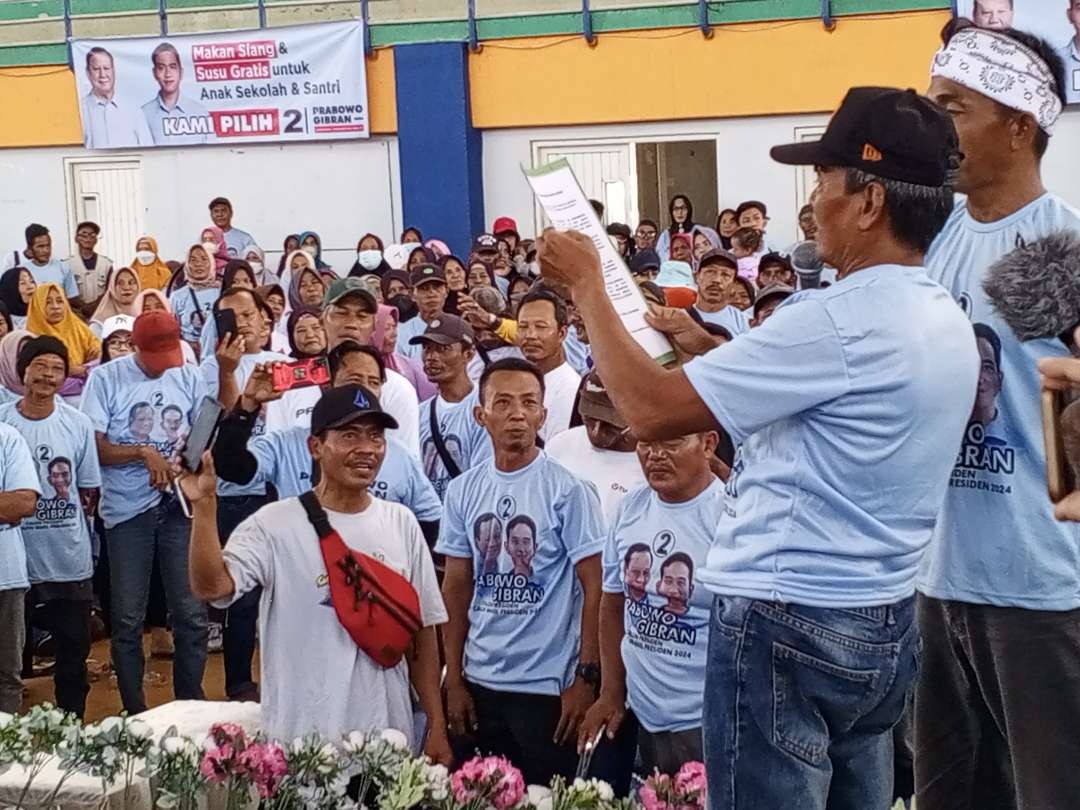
(179, 104)
(99, 101)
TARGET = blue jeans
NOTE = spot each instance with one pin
(132, 544)
(800, 703)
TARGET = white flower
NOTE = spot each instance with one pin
(438, 778)
(395, 738)
(140, 728)
(110, 724)
(178, 745)
(6, 718)
(355, 742)
(537, 793)
(603, 789)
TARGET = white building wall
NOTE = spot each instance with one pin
(743, 167)
(341, 189)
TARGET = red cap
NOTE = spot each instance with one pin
(156, 335)
(504, 225)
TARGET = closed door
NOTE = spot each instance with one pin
(606, 172)
(110, 194)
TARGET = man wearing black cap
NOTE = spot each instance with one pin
(237, 241)
(645, 264)
(58, 550)
(847, 422)
(714, 276)
(429, 291)
(775, 269)
(451, 440)
(314, 679)
(768, 300)
(349, 314)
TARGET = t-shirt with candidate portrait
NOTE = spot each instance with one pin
(848, 421)
(16, 472)
(57, 535)
(237, 242)
(210, 369)
(996, 541)
(613, 474)
(652, 553)
(284, 461)
(398, 398)
(466, 440)
(131, 408)
(524, 532)
(314, 679)
(55, 271)
(193, 308)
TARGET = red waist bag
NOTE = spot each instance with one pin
(378, 607)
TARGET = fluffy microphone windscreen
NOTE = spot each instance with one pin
(1036, 288)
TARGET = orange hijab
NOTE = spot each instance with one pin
(153, 276)
(82, 344)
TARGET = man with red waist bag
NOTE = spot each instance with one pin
(350, 600)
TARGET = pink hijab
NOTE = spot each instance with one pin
(9, 356)
(221, 256)
(407, 367)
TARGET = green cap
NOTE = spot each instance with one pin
(342, 287)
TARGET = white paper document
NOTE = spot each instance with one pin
(567, 207)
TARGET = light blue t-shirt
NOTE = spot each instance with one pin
(578, 354)
(997, 541)
(652, 551)
(731, 318)
(16, 472)
(466, 440)
(209, 369)
(284, 461)
(190, 318)
(406, 332)
(237, 242)
(132, 408)
(849, 404)
(55, 271)
(57, 536)
(7, 396)
(524, 531)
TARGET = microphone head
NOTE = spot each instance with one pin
(1036, 288)
(805, 258)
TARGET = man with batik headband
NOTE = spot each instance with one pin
(1000, 585)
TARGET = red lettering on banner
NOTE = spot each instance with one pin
(240, 123)
(235, 51)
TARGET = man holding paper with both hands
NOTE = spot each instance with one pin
(848, 406)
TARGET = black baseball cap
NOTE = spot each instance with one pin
(644, 260)
(446, 330)
(485, 243)
(345, 404)
(425, 273)
(718, 256)
(891, 133)
(776, 258)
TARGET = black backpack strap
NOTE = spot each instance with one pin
(484, 356)
(316, 515)
(198, 309)
(436, 436)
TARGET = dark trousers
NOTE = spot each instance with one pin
(997, 708)
(242, 617)
(68, 621)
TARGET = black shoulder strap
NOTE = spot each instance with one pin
(198, 308)
(436, 436)
(316, 515)
(484, 356)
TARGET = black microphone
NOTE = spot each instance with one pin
(1036, 287)
(808, 265)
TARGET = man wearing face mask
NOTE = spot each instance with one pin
(601, 451)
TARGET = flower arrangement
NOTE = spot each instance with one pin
(308, 774)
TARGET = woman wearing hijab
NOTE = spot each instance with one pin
(481, 272)
(51, 314)
(307, 289)
(10, 345)
(5, 320)
(256, 260)
(369, 256)
(681, 211)
(411, 235)
(296, 261)
(726, 225)
(150, 300)
(307, 338)
(702, 243)
(384, 341)
(121, 290)
(682, 248)
(191, 303)
(311, 243)
(17, 285)
(153, 273)
(274, 296)
(291, 243)
(213, 239)
(456, 282)
(238, 273)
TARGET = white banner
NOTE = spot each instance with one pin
(297, 83)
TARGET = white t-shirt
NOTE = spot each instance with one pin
(398, 399)
(560, 392)
(613, 474)
(314, 679)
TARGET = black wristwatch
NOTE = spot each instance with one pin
(590, 673)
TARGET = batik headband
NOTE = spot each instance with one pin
(999, 67)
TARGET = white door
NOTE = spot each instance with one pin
(607, 172)
(110, 194)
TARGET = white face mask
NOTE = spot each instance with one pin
(256, 266)
(211, 247)
(369, 259)
(310, 250)
(145, 257)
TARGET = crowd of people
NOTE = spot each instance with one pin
(499, 515)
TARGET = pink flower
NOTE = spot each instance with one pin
(265, 765)
(217, 763)
(491, 781)
(649, 799)
(222, 733)
(690, 783)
